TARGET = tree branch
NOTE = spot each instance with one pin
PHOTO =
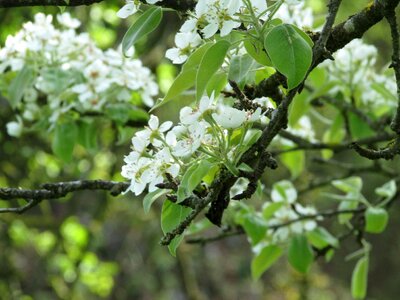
(179, 5)
(57, 190)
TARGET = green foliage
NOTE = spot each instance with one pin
(144, 25)
(209, 65)
(171, 216)
(263, 260)
(65, 137)
(187, 77)
(376, 219)
(300, 255)
(18, 85)
(359, 279)
(290, 52)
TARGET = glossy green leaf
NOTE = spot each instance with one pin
(388, 190)
(359, 280)
(321, 238)
(64, 140)
(300, 254)
(242, 69)
(87, 135)
(18, 85)
(376, 219)
(202, 169)
(264, 259)
(217, 83)
(151, 197)
(295, 161)
(209, 65)
(192, 178)
(145, 24)
(351, 184)
(270, 208)
(255, 227)
(346, 205)
(186, 78)
(289, 52)
(171, 216)
(256, 50)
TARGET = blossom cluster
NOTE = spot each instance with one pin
(223, 16)
(69, 72)
(204, 132)
(285, 194)
(355, 65)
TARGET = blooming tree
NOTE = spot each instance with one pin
(262, 76)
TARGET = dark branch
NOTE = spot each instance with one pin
(22, 3)
(179, 5)
(56, 191)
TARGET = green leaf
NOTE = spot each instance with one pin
(87, 134)
(388, 190)
(290, 53)
(346, 205)
(321, 238)
(65, 137)
(270, 208)
(171, 216)
(358, 127)
(209, 65)
(18, 85)
(359, 280)
(295, 161)
(352, 184)
(192, 177)
(151, 197)
(195, 178)
(300, 255)
(255, 227)
(256, 50)
(263, 260)
(122, 113)
(145, 24)
(300, 106)
(376, 219)
(242, 69)
(186, 79)
(217, 83)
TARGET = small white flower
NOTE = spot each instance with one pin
(189, 139)
(14, 128)
(185, 42)
(189, 115)
(130, 8)
(229, 117)
(66, 20)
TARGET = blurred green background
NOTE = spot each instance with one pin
(93, 246)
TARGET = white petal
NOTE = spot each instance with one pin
(165, 126)
(153, 122)
(127, 10)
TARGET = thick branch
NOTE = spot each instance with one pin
(22, 3)
(180, 5)
(57, 190)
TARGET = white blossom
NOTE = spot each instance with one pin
(229, 117)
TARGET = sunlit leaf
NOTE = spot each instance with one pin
(210, 64)
(290, 53)
(145, 24)
(264, 259)
(359, 279)
(171, 216)
(300, 255)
